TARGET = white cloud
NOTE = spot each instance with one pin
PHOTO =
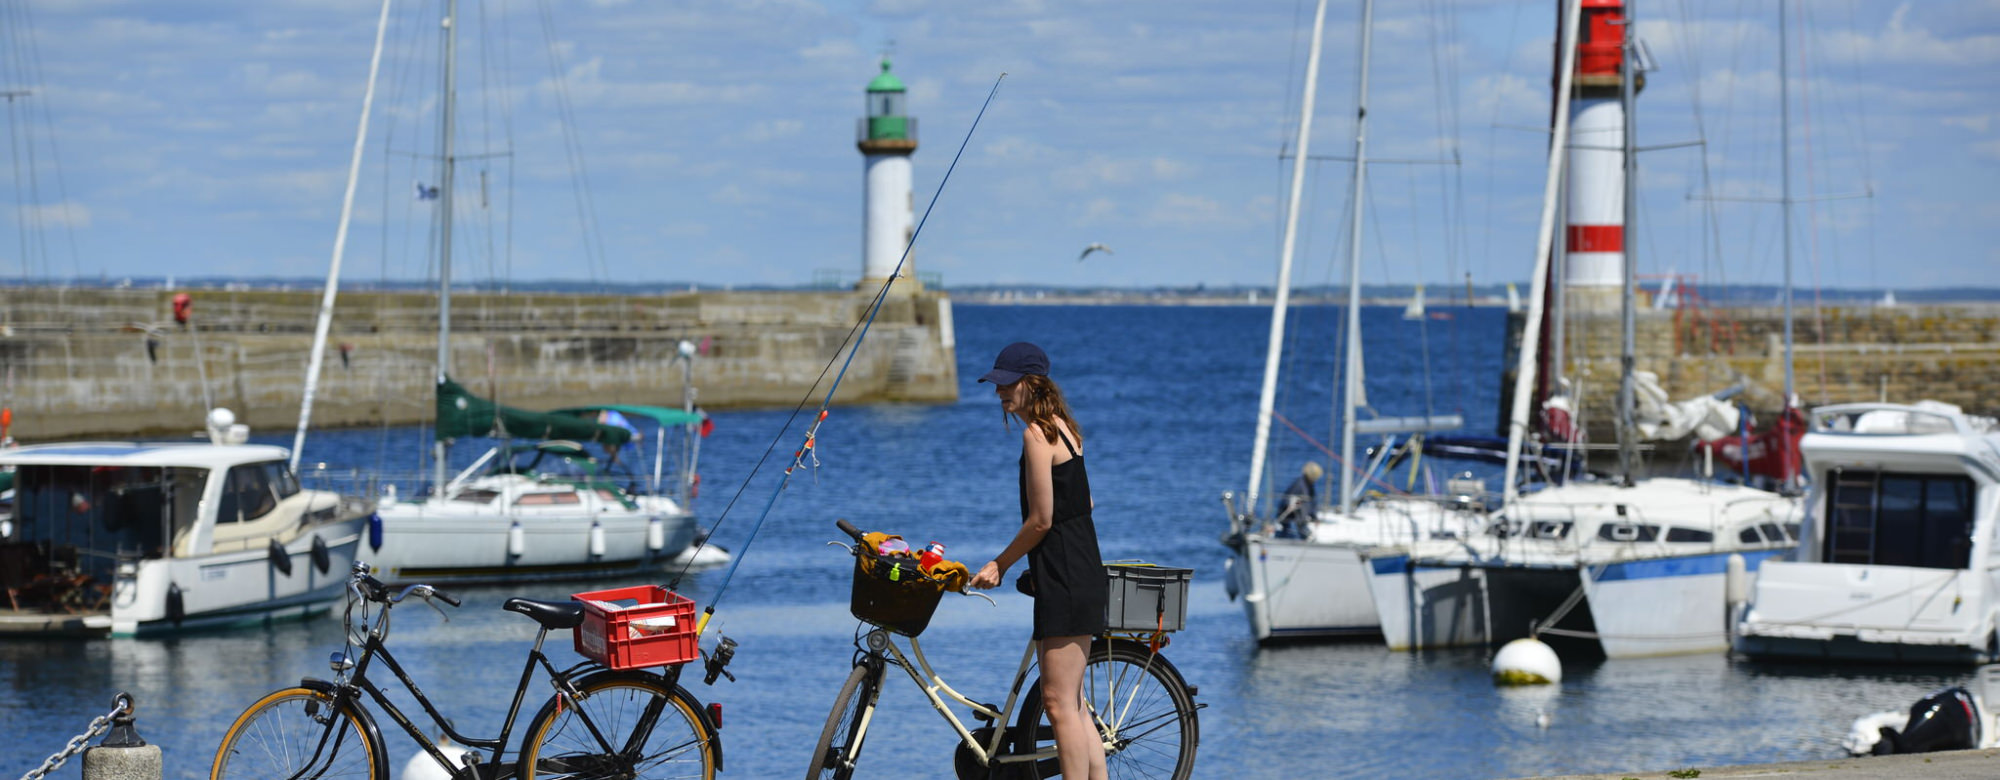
(1907, 43)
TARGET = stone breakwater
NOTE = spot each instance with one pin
(114, 363)
(1844, 354)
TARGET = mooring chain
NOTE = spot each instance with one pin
(122, 705)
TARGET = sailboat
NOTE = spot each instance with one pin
(542, 503)
(1415, 309)
(1636, 567)
(1306, 577)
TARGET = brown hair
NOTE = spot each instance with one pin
(1044, 402)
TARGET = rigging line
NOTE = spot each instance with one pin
(579, 174)
(1812, 208)
(486, 91)
(507, 135)
(1334, 456)
(55, 156)
(853, 347)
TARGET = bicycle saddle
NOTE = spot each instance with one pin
(551, 614)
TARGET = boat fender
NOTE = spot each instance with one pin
(596, 539)
(322, 559)
(1229, 577)
(375, 532)
(1526, 661)
(1736, 580)
(517, 540)
(280, 558)
(176, 605)
(694, 487)
(656, 534)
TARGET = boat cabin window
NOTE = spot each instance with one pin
(548, 499)
(283, 481)
(248, 494)
(1628, 532)
(1892, 519)
(475, 496)
(1768, 533)
(1679, 534)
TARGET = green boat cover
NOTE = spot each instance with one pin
(460, 414)
(664, 415)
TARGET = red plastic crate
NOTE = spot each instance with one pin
(637, 627)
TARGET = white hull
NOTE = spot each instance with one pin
(1640, 594)
(1298, 589)
(1667, 606)
(423, 545)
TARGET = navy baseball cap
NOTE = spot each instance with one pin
(1018, 359)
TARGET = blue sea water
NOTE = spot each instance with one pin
(1166, 399)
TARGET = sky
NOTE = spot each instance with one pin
(716, 140)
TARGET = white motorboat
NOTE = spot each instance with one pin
(133, 539)
(1896, 560)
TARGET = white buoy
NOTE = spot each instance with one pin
(1526, 662)
(422, 767)
(596, 539)
(656, 534)
(517, 540)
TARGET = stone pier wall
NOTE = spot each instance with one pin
(113, 363)
(1899, 354)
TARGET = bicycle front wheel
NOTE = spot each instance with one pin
(1140, 705)
(625, 724)
(834, 756)
(299, 732)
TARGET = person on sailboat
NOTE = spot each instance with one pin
(1299, 502)
(1065, 572)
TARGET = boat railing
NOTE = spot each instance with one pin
(1884, 419)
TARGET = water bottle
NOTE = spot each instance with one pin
(932, 556)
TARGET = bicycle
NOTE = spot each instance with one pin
(1143, 709)
(604, 720)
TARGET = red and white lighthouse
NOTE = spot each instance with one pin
(1594, 263)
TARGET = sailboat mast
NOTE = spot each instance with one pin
(1353, 371)
(325, 321)
(1785, 169)
(1524, 372)
(439, 450)
(1268, 395)
(1628, 94)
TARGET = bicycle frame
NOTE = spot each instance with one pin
(350, 684)
(932, 684)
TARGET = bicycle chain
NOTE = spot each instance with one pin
(121, 705)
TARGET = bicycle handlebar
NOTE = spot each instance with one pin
(374, 590)
(849, 529)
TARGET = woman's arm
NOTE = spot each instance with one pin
(1040, 455)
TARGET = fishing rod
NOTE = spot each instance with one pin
(852, 344)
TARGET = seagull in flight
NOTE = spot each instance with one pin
(1093, 248)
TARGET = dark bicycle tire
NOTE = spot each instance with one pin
(281, 734)
(856, 696)
(678, 743)
(1158, 731)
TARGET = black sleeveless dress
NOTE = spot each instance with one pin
(1065, 570)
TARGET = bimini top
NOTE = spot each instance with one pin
(125, 453)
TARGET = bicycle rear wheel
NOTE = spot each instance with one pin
(299, 732)
(654, 729)
(1141, 706)
(833, 757)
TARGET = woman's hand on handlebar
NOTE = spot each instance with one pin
(987, 578)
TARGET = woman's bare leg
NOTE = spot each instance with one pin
(1080, 749)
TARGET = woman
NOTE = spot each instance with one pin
(1065, 574)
